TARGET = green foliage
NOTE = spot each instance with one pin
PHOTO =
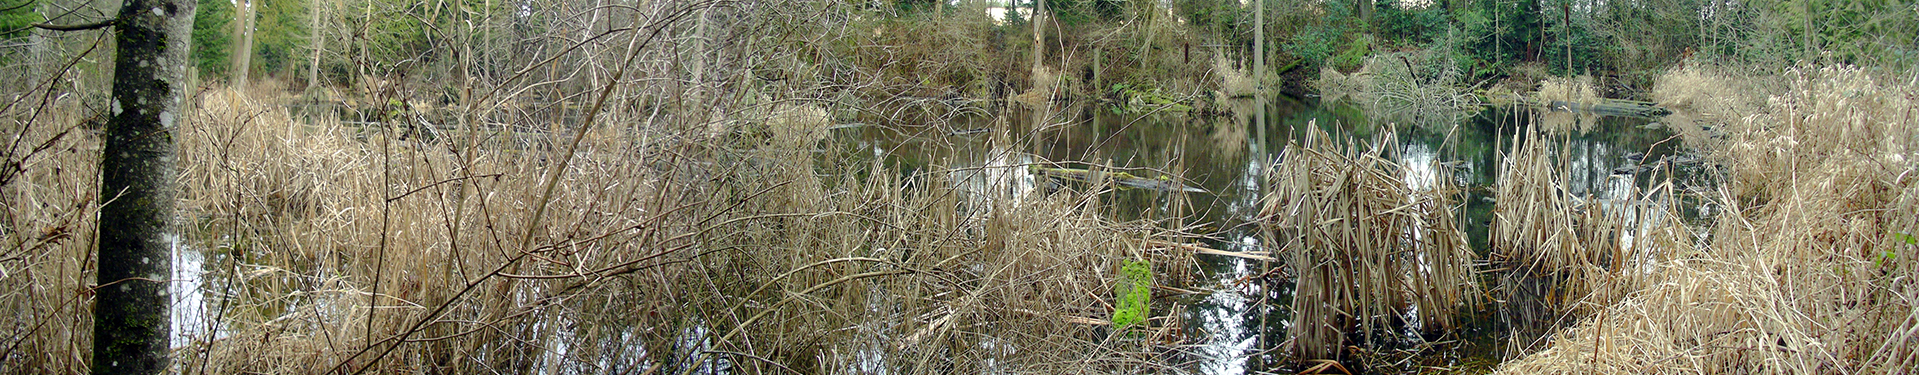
(1502, 33)
(1570, 43)
(1012, 16)
(1849, 31)
(17, 18)
(916, 6)
(1205, 15)
(1354, 55)
(212, 38)
(1134, 294)
(280, 35)
(416, 32)
(1411, 26)
(1317, 43)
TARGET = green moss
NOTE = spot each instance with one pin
(1134, 294)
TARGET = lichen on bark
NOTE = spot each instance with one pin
(137, 189)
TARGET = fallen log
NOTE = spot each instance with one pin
(1124, 179)
(1603, 107)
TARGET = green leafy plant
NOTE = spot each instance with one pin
(1888, 255)
(1134, 293)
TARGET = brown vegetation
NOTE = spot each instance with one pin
(1408, 87)
(1805, 270)
(633, 226)
(1364, 247)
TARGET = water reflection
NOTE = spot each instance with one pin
(997, 176)
(190, 320)
(1225, 324)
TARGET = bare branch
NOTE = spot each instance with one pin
(85, 26)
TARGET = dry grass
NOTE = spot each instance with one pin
(1334, 85)
(1403, 87)
(1803, 273)
(1576, 90)
(342, 246)
(1234, 81)
(48, 194)
(671, 234)
(1577, 94)
(1364, 248)
(1539, 229)
(1705, 97)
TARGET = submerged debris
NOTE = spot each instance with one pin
(1124, 179)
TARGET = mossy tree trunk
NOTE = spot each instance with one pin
(130, 328)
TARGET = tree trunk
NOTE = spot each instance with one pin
(243, 44)
(316, 9)
(1039, 34)
(130, 327)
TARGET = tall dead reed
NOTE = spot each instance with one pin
(1806, 270)
(1363, 247)
(49, 192)
(1575, 253)
(1535, 217)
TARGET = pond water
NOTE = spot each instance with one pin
(1235, 317)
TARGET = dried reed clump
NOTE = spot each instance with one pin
(1017, 288)
(245, 159)
(1706, 92)
(1569, 99)
(1045, 88)
(1804, 272)
(1704, 97)
(1404, 87)
(798, 126)
(1578, 90)
(1364, 247)
(1445, 281)
(1535, 218)
(1334, 85)
(1234, 81)
(794, 133)
(1841, 116)
(1585, 249)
